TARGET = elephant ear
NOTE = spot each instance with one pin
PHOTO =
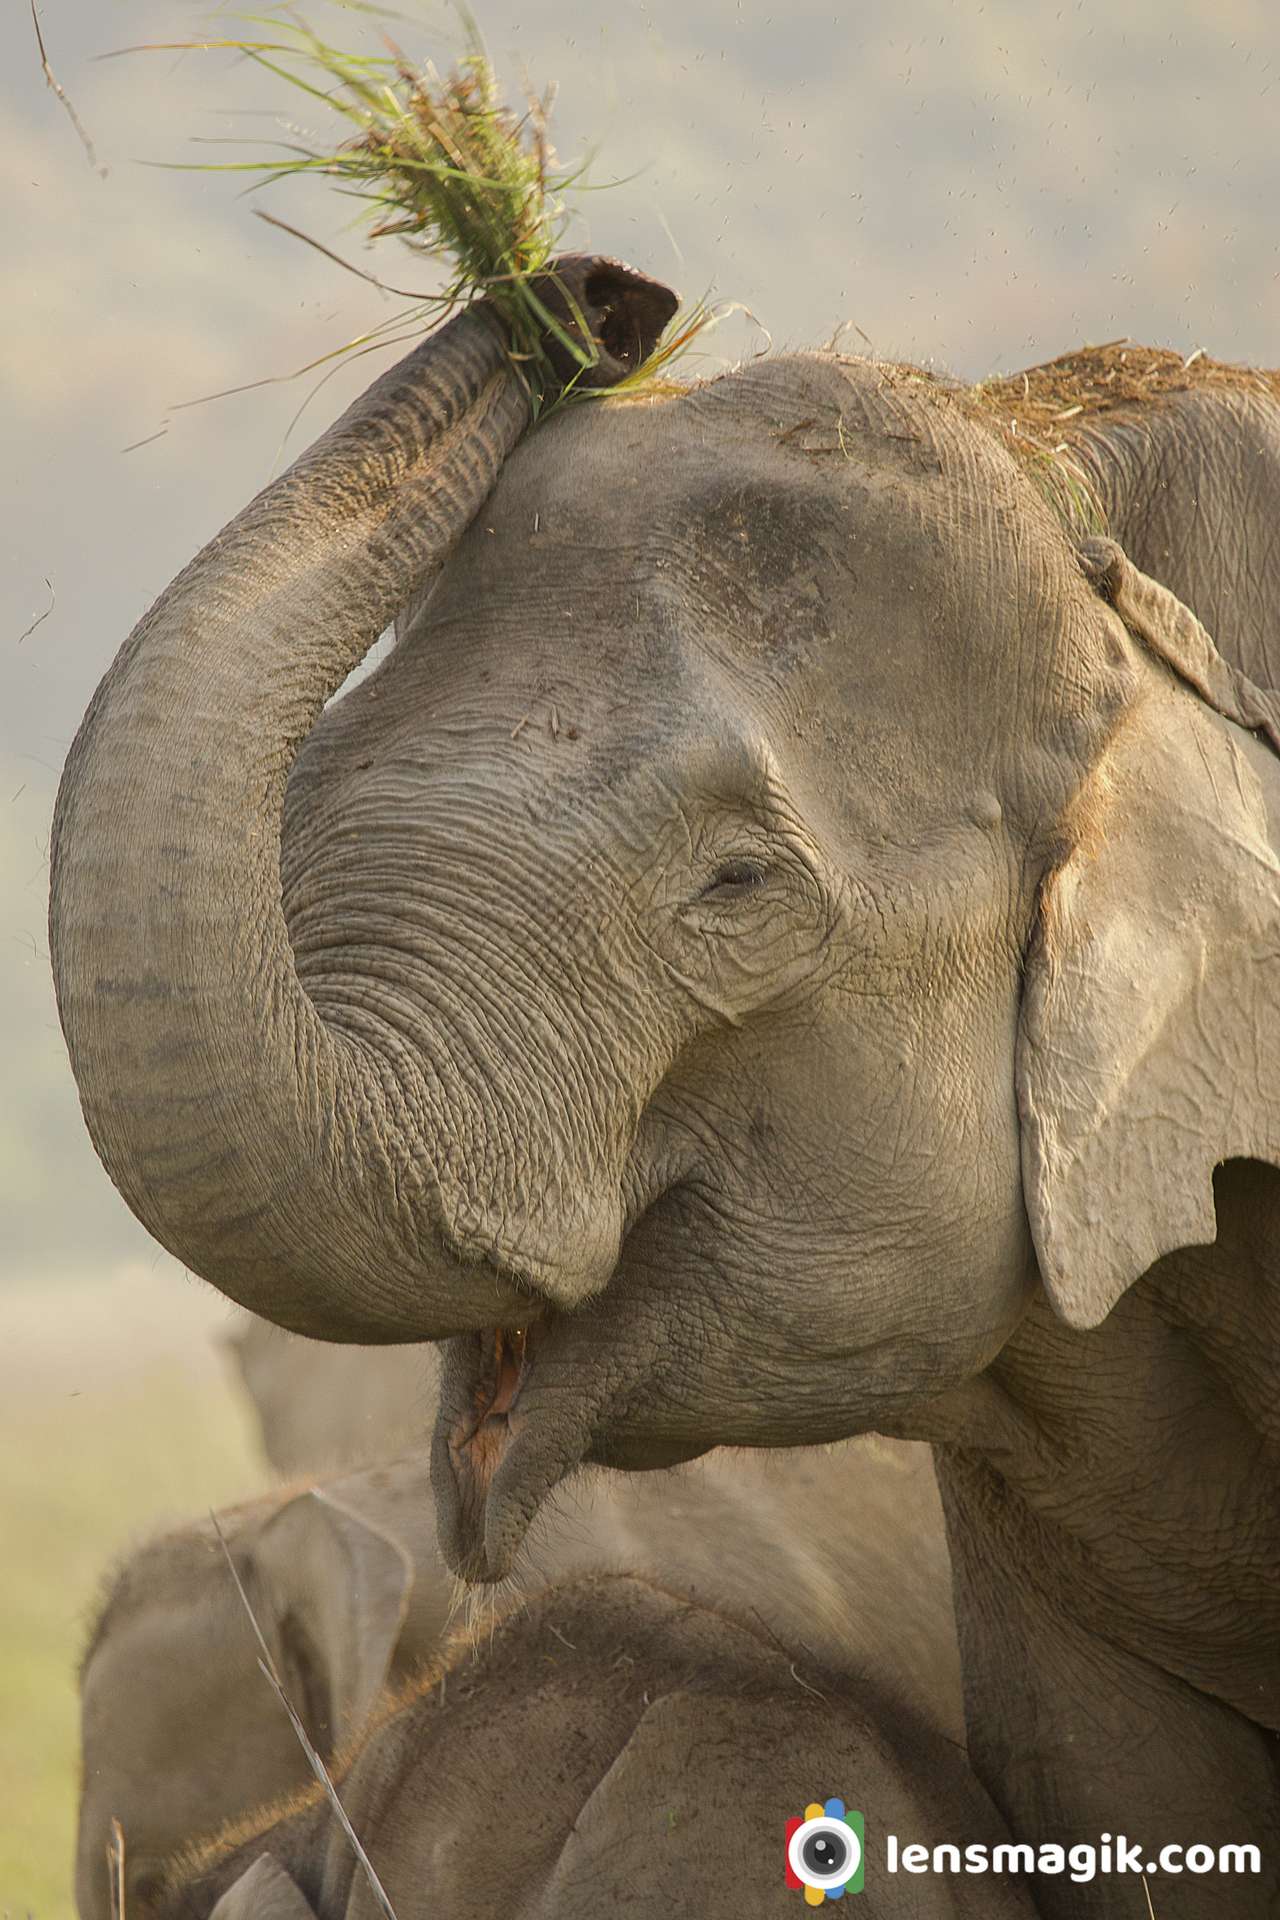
(1149, 1042)
(265, 1892)
(1171, 631)
(337, 1589)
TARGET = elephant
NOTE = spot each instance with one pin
(179, 1731)
(836, 1554)
(613, 1748)
(786, 945)
(321, 1407)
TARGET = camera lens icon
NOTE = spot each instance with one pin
(825, 1852)
(826, 1855)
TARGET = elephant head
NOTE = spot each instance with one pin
(179, 1733)
(778, 901)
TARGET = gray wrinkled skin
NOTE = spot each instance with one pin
(774, 933)
(616, 1750)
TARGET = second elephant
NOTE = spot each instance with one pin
(837, 1554)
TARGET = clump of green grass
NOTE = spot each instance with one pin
(439, 162)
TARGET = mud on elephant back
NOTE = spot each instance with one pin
(787, 944)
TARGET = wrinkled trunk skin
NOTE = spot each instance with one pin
(291, 1163)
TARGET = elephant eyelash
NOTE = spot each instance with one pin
(734, 878)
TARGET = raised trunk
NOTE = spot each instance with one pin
(285, 1162)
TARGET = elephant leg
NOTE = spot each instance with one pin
(1075, 1738)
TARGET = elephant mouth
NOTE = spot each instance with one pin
(478, 1442)
(521, 1409)
(501, 1445)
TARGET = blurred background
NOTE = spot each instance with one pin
(974, 186)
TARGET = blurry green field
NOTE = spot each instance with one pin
(114, 1416)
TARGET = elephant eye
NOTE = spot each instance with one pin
(733, 878)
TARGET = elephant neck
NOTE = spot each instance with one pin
(1133, 1469)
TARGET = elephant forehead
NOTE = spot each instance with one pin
(635, 536)
(800, 429)
(805, 508)
(824, 555)
(756, 470)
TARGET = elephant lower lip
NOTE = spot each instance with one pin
(475, 1466)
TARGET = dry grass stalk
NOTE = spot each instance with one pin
(59, 92)
(316, 1764)
(115, 1871)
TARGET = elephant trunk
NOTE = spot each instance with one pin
(288, 1162)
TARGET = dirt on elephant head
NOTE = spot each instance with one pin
(1047, 402)
(1039, 411)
